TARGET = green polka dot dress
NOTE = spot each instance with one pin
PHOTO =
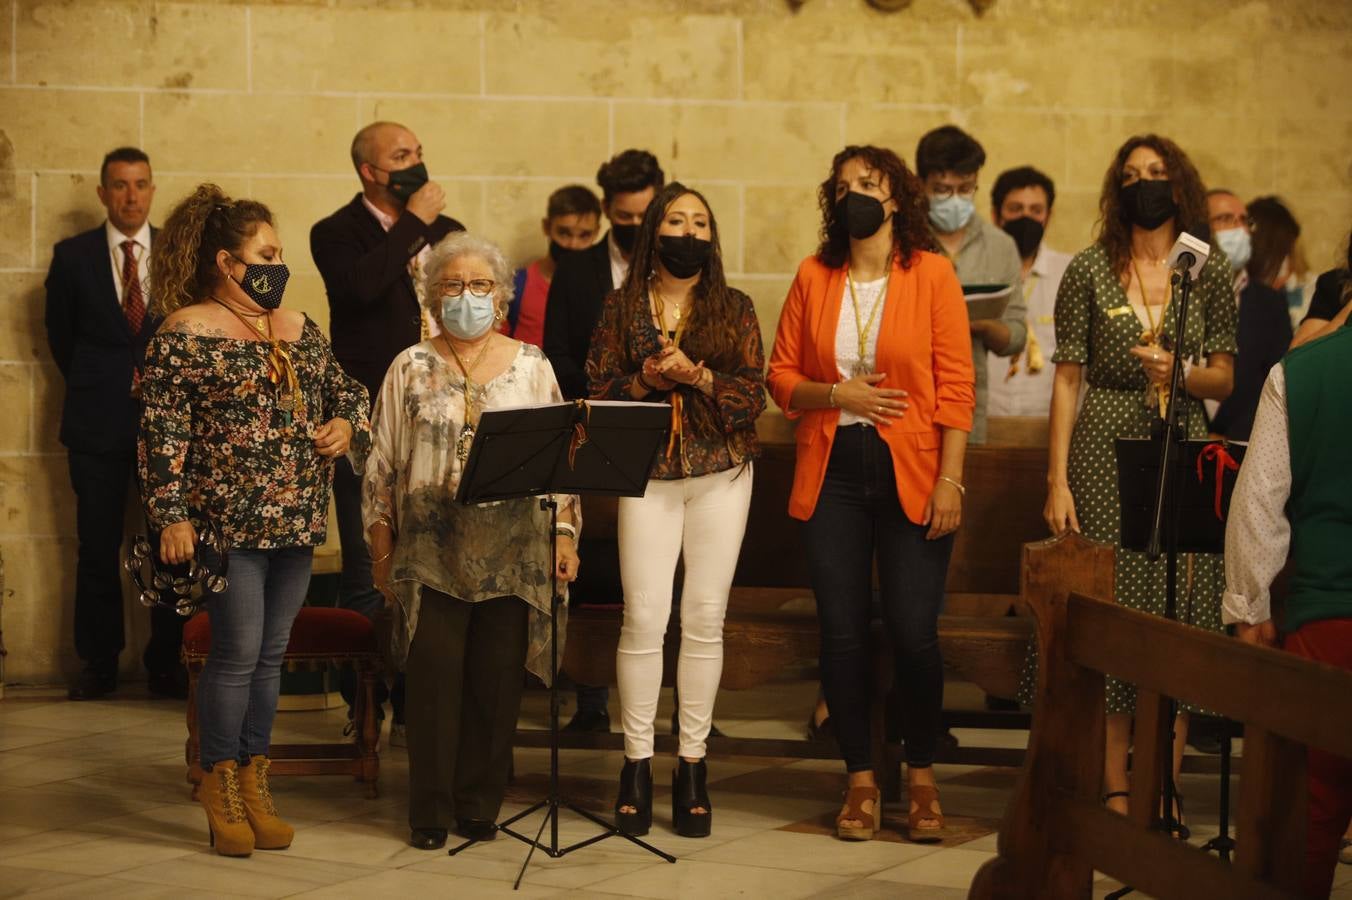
(1096, 327)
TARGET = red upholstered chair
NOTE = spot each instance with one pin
(321, 636)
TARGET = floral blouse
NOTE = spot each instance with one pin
(215, 440)
(716, 432)
(472, 553)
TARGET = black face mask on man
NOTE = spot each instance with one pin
(860, 215)
(625, 236)
(264, 283)
(1027, 234)
(404, 183)
(683, 255)
(1149, 204)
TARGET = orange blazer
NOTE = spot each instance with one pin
(924, 348)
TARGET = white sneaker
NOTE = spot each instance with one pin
(398, 735)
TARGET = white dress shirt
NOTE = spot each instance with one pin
(1027, 393)
(619, 266)
(1257, 533)
(142, 253)
(431, 326)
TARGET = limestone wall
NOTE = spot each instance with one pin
(745, 99)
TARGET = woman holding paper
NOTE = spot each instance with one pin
(469, 585)
(674, 332)
(873, 352)
(1116, 330)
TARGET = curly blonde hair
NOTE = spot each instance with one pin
(183, 255)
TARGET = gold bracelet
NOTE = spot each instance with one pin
(957, 484)
(831, 395)
(383, 558)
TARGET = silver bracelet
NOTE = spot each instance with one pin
(831, 394)
(566, 528)
(957, 484)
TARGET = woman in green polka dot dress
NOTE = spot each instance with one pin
(1115, 326)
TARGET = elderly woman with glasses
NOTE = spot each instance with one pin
(469, 585)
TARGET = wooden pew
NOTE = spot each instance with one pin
(1057, 831)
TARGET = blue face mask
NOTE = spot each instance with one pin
(950, 213)
(1238, 247)
(467, 316)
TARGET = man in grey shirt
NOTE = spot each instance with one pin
(948, 160)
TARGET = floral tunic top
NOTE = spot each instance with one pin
(411, 477)
(715, 432)
(216, 442)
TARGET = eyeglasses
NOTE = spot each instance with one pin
(1230, 220)
(944, 191)
(478, 287)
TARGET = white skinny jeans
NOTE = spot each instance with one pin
(702, 518)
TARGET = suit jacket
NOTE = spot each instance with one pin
(1263, 336)
(924, 348)
(94, 346)
(576, 295)
(373, 308)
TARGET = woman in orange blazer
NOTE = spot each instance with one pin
(873, 354)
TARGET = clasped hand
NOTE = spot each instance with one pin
(670, 366)
(1156, 362)
(862, 397)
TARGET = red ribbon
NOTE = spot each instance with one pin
(579, 434)
(1224, 461)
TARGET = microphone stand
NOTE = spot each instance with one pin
(1174, 434)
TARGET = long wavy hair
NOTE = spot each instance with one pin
(183, 255)
(910, 223)
(1114, 231)
(712, 334)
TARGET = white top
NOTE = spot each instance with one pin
(1026, 393)
(430, 324)
(142, 253)
(1257, 532)
(847, 335)
(619, 266)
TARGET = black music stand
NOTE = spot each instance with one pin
(584, 447)
(1175, 495)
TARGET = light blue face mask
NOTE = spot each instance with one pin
(950, 213)
(1238, 247)
(467, 316)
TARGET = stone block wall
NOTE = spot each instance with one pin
(745, 99)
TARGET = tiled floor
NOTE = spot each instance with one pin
(93, 803)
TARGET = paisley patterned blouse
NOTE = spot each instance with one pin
(216, 441)
(716, 432)
(411, 477)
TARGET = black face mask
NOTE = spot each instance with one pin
(683, 255)
(405, 182)
(625, 236)
(1148, 204)
(559, 253)
(860, 215)
(1027, 234)
(265, 283)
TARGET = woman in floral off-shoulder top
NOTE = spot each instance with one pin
(245, 412)
(675, 332)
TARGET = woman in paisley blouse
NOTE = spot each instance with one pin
(245, 412)
(469, 585)
(674, 332)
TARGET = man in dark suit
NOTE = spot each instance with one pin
(628, 181)
(367, 253)
(97, 328)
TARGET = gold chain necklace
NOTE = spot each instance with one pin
(466, 437)
(861, 327)
(1152, 338)
(281, 370)
(660, 310)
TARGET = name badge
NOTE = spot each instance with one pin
(1119, 311)
(1046, 320)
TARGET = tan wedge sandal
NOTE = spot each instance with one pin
(853, 811)
(924, 796)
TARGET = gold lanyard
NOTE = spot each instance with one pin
(1032, 348)
(281, 370)
(466, 437)
(660, 309)
(1151, 338)
(676, 434)
(861, 327)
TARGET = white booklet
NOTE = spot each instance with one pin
(986, 301)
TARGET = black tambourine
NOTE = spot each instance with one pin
(184, 594)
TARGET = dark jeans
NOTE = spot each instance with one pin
(356, 591)
(466, 669)
(858, 517)
(101, 482)
(250, 627)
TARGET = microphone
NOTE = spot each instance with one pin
(1189, 254)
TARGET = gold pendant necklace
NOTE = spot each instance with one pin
(862, 328)
(466, 437)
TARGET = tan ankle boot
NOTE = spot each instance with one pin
(226, 819)
(270, 832)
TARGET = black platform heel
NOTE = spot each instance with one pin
(689, 791)
(636, 790)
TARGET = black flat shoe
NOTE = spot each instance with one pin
(689, 791)
(93, 684)
(476, 829)
(586, 721)
(427, 838)
(636, 790)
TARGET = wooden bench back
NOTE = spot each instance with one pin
(1057, 832)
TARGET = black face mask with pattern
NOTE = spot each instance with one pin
(264, 283)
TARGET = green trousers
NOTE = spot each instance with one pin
(465, 671)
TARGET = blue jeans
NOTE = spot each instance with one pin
(250, 627)
(859, 517)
